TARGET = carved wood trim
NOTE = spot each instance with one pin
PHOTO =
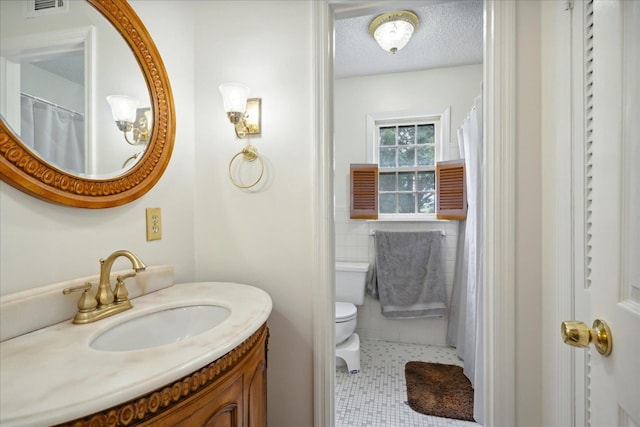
(20, 168)
(143, 408)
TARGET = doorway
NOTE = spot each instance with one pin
(499, 102)
(427, 87)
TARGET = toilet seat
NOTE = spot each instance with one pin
(345, 312)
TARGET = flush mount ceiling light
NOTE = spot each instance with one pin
(392, 30)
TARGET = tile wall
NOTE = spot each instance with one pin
(354, 242)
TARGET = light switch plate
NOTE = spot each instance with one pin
(154, 224)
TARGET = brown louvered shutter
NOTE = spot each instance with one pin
(364, 191)
(451, 190)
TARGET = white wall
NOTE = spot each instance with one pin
(261, 237)
(433, 91)
(44, 243)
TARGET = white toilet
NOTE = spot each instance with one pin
(350, 283)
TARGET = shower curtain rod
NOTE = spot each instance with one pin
(44, 101)
(442, 232)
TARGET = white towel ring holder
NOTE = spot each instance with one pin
(249, 154)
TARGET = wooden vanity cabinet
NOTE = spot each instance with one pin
(230, 392)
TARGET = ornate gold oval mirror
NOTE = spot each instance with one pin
(27, 170)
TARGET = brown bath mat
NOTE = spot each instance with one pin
(439, 390)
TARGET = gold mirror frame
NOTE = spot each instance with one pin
(30, 174)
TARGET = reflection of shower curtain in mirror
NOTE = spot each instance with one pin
(464, 330)
(55, 133)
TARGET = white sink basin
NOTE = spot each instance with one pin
(160, 328)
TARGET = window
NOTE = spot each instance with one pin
(406, 177)
(406, 153)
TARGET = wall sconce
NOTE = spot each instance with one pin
(244, 113)
(130, 118)
(392, 30)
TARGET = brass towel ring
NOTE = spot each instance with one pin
(249, 153)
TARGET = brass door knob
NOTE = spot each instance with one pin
(578, 334)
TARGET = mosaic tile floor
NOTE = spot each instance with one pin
(376, 396)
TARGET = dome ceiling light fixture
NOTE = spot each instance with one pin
(392, 30)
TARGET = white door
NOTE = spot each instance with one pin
(608, 206)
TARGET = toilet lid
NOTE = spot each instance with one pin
(345, 311)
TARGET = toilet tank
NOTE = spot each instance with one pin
(350, 281)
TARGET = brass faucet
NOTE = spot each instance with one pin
(107, 301)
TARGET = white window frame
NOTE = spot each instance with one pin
(443, 139)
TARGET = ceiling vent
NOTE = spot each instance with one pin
(34, 8)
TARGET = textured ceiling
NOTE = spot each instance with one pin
(449, 34)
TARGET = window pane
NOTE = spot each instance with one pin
(426, 134)
(426, 155)
(407, 156)
(387, 158)
(422, 134)
(406, 181)
(387, 182)
(406, 135)
(426, 203)
(388, 135)
(426, 181)
(387, 203)
(406, 203)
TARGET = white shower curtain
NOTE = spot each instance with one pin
(55, 134)
(465, 318)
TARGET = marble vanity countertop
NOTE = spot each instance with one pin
(52, 375)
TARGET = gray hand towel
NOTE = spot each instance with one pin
(408, 274)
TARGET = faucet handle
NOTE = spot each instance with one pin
(87, 301)
(120, 292)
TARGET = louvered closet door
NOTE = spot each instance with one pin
(610, 289)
